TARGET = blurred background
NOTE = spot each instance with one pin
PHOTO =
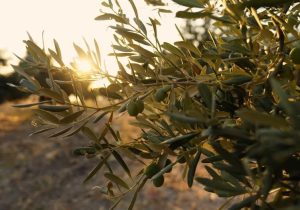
(37, 173)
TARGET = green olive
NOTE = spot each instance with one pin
(78, 152)
(140, 105)
(167, 88)
(181, 159)
(168, 162)
(132, 108)
(159, 181)
(151, 170)
(160, 95)
(295, 55)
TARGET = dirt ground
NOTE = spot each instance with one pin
(37, 173)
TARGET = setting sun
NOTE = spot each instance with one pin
(83, 66)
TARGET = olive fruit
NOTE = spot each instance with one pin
(159, 181)
(168, 162)
(181, 159)
(132, 108)
(151, 170)
(140, 105)
(295, 55)
(160, 95)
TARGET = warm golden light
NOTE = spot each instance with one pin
(74, 99)
(103, 82)
(83, 66)
(79, 26)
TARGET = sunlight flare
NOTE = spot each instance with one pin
(83, 66)
(103, 82)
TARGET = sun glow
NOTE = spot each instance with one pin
(83, 66)
(103, 82)
(74, 99)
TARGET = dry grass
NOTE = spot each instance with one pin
(37, 173)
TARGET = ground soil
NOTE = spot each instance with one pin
(38, 173)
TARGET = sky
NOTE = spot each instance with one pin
(67, 21)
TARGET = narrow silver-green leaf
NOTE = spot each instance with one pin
(189, 3)
(192, 168)
(192, 15)
(116, 204)
(28, 85)
(56, 57)
(89, 133)
(81, 53)
(259, 118)
(119, 158)
(136, 194)
(20, 71)
(183, 118)
(54, 108)
(51, 94)
(185, 137)
(61, 132)
(99, 117)
(29, 105)
(96, 169)
(109, 16)
(134, 9)
(97, 51)
(116, 179)
(283, 97)
(41, 131)
(72, 117)
(46, 116)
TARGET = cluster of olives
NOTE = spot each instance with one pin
(134, 107)
(153, 169)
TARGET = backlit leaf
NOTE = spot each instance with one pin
(192, 168)
(108, 16)
(116, 179)
(54, 108)
(119, 158)
(72, 117)
(185, 138)
(61, 132)
(46, 116)
(259, 118)
(189, 3)
(97, 168)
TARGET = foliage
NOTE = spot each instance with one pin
(7, 81)
(230, 105)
